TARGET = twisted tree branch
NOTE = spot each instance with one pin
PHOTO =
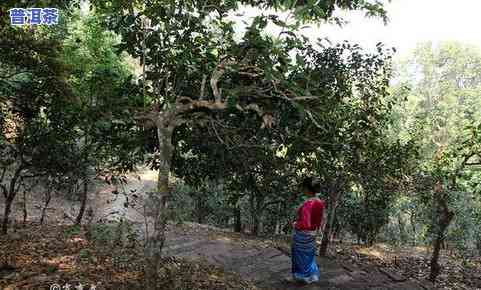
(216, 75)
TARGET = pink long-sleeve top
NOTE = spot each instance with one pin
(309, 215)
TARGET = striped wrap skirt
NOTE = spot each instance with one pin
(304, 267)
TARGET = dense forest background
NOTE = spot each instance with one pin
(233, 120)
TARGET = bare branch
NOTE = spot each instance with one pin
(303, 98)
(146, 116)
(248, 146)
(217, 134)
(313, 119)
(148, 119)
(216, 75)
(202, 87)
(4, 190)
(274, 202)
(34, 175)
(255, 108)
(267, 121)
(185, 104)
(14, 180)
(249, 74)
(2, 176)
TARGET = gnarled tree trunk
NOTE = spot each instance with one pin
(24, 208)
(10, 194)
(6, 213)
(48, 197)
(257, 210)
(326, 236)
(156, 238)
(165, 121)
(236, 212)
(237, 220)
(402, 228)
(413, 227)
(255, 222)
(83, 205)
(200, 207)
(331, 207)
(445, 217)
(277, 229)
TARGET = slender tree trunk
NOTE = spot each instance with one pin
(6, 213)
(413, 226)
(156, 237)
(237, 213)
(478, 245)
(278, 220)
(200, 206)
(26, 190)
(371, 239)
(402, 228)
(25, 212)
(435, 268)
(253, 217)
(255, 221)
(237, 220)
(445, 217)
(257, 215)
(259, 210)
(339, 233)
(48, 197)
(12, 192)
(326, 236)
(336, 231)
(287, 227)
(328, 229)
(83, 200)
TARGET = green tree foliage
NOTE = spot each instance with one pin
(248, 161)
(444, 92)
(33, 89)
(65, 105)
(102, 83)
(445, 85)
(347, 142)
(110, 141)
(185, 46)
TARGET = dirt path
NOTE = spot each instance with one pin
(267, 266)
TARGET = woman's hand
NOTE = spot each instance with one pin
(294, 224)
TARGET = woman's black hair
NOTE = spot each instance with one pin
(310, 184)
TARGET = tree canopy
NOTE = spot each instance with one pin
(233, 119)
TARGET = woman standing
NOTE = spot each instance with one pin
(308, 222)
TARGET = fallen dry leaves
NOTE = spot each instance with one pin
(414, 263)
(36, 257)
